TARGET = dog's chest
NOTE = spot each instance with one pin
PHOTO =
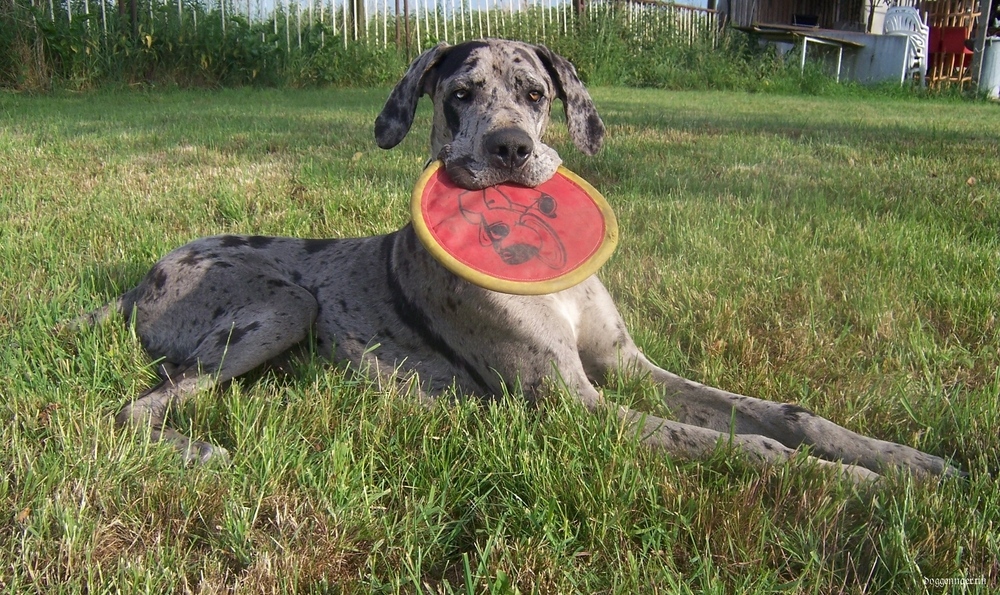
(566, 309)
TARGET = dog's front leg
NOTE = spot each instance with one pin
(790, 425)
(695, 443)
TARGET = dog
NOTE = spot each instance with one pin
(219, 307)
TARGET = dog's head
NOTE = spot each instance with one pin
(492, 100)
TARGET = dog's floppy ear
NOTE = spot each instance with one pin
(396, 117)
(585, 126)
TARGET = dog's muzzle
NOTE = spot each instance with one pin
(506, 155)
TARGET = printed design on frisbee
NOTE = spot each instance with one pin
(516, 232)
(512, 238)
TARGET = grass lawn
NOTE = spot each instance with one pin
(840, 253)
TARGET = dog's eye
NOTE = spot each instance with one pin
(462, 94)
(535, 96)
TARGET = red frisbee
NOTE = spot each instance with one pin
(515, 239)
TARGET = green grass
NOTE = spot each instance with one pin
(841, 253)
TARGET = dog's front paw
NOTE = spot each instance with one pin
(953, 471)
(924, 464)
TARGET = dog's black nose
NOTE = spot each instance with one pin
(508, 147)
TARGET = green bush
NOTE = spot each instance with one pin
(344, 65)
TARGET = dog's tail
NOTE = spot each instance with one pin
(122, 305)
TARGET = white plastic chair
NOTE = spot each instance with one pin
(905, 20)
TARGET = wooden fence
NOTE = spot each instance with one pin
(409, 23)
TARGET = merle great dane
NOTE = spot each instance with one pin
(222, 306)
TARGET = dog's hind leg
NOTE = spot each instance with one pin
(151, 408)
(265, 331)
